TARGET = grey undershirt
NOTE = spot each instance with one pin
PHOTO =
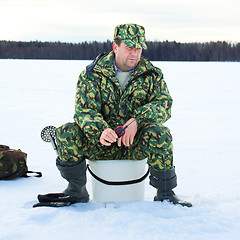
(123, 78)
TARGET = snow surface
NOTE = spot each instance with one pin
(204, 124)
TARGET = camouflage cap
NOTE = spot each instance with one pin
(132, 35)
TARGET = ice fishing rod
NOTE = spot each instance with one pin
(48, 134)
(120, 130)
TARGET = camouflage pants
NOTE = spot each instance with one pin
(152, 141)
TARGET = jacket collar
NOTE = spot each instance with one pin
(106, 66)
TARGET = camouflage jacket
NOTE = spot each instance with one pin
(100, 102)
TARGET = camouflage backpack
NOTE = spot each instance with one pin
(13, 164)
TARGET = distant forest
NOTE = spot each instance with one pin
(157, 51)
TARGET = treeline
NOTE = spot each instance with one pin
(157, 51)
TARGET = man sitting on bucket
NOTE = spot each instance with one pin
(121, 88)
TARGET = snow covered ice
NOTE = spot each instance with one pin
(205, 128)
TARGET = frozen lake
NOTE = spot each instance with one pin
(205, 128)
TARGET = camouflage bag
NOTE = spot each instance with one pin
(13, 164)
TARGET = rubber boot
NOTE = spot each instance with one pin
(76, 177)
(165, 181)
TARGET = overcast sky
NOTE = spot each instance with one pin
(90, 20)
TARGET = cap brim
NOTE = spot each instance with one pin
(134, 44)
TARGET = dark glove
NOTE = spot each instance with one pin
(55, 200)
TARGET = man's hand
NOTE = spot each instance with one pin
(128, 137)
(108, 137)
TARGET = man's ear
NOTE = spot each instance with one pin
(115, 47)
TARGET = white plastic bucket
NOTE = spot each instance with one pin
(118, 171)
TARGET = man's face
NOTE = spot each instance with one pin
(126, 58)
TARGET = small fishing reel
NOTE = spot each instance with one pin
(120, 131)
